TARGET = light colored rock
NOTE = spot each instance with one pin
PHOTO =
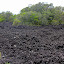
(14, 45)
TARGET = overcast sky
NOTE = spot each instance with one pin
(15, 6)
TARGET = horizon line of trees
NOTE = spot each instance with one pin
(38, 14)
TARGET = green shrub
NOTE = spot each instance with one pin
(7, 63)
(30, 17)
(2, 19)
(55, 22)
(16, 22)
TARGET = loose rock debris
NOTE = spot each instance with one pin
(32, 44)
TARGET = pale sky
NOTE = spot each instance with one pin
(15, 6)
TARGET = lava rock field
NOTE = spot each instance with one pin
(31, 44)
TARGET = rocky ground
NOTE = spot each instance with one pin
(31, 44)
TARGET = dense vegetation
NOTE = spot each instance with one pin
(38, 14)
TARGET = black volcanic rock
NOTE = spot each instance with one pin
(31, 44)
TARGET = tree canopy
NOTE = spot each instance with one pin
(38, 14)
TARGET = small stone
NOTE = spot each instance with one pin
(3, 56)
(14, 37)
(14, 45)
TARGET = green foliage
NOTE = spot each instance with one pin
(38, 14)
(45, 21)
(7, 63)
(9, 16)
(55, 22)
(41, 14)
(6, 16)
(16, 22)
(2, 19)
(30, 18)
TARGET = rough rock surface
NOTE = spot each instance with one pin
(32, 44)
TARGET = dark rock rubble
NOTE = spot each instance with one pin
(31, 44)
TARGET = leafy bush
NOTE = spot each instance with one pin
(16, 22)
(55, 22)
(2, 19)
(30, 17)
(38, 14)
(7, 63)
